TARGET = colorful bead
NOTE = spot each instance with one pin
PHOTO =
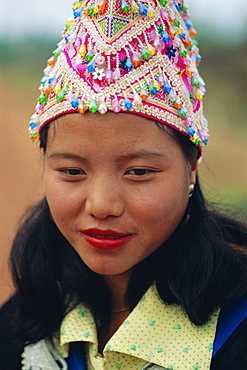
(127, 103)
(182, 112)
(60, 95)
(102, 108)
(91, 66)
(137, 99)
(143, 10)
(150, 49)
(82, 108)
(56, 53)
(167, 87)
(124, 6)
(136, 60)
(134, 7)
(89, 56)
(93, 106)
(144, 54)
(83, 50)
(116, 106)
(143, 94)
(75, 102)
(57, 88)
(152, 89)
(128, 64)
(150, 12)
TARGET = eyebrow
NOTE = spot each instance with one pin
(140, 154)
(66, 156)
(124, 157)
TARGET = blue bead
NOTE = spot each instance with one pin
(165, 37)
(33, 125)
(51, 80)
(43, 80)
(198, 58)
(127, 103)
(167, 87)
(191, 131)
(91, 66)
(178, 7)
(78, 12)
(75, 102)
(188, 24)
(143, 9)
(128, 64)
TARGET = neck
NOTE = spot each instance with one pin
(118, 286)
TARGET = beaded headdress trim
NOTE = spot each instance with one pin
(138, 57)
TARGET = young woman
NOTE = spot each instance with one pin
(123, 265)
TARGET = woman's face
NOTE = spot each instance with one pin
(117, 187)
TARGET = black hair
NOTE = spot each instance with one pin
(202, 266)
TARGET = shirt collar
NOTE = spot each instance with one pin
(155, 332)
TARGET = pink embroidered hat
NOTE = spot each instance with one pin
(134, 56)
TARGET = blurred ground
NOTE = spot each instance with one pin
(223, 170)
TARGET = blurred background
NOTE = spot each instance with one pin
(28, 34)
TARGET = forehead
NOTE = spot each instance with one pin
(110, 132)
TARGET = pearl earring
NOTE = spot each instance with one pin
(191, 189)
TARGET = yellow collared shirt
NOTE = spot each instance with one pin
(153, 333)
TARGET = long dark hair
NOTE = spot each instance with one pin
(200, 267)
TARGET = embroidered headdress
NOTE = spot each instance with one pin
(134, 56)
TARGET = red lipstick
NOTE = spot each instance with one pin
(105, 239)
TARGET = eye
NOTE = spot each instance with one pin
(73, 172)
(139, 173)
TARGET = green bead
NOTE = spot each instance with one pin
(177, 23)
(60, 95)
(145, 54)
(93, 106)
(196, 367)
(163, 2)
(195, 81)
(43, 99)
(80, 313)
(159, 350)
(186, 350)
(56, 53)
(170, 367)
(211, 347)
(89, 56)
(151, 322)
(118, 366)
(177, 327)
(183, 52)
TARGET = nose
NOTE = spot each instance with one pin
(104, 199)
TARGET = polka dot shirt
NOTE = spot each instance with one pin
(153, 333)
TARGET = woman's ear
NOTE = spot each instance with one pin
(193, 171)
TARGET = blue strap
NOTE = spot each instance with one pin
(76, 359)
(230, 318)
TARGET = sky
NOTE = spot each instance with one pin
(48, 16)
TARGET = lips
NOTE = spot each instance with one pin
(105, 239)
